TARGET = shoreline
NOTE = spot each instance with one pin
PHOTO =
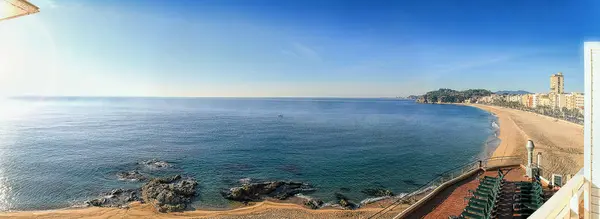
(512, 138)
(266, 209)
(507, 135)
(560, 142)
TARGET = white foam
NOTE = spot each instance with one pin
(495, 125)
(376, 199)
(300, 195)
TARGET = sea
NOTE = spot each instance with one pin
(58, 152)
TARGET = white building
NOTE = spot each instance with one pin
(514, 98)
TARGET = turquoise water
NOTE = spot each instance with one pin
(58, 152)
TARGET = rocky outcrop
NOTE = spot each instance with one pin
(116, 198)
(377, 192)
(170, 193)
(344, 202)
(155, 164)
(313, 203)
(133, 175)
(275, 189)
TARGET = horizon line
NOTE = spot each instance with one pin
(249, 97)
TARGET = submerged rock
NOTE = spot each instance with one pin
(170, 193)
(116, 198)
(275, 189)
(377, 192)
(344, 189)
(344, 202)
(291, 169)
(155, 164)
(133, 175)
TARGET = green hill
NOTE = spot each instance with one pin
(452, 96)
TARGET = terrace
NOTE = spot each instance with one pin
(453, 200)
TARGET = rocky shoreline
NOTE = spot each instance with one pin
(175, 193)
(166, 194)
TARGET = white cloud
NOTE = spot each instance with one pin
(303, 51)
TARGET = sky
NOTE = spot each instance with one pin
(286, 48)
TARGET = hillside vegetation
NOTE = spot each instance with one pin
(452, 96)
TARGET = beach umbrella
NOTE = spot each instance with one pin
(15, 8)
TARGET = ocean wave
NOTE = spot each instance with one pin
(300, 195)
(495, 125)
(375, 199)
(397, 197)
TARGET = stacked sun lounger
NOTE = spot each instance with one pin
(482, 203)
(528, 197)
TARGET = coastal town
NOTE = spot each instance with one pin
(556, 103)
(556, 98)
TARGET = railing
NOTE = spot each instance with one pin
(502, 161)
(450, 175)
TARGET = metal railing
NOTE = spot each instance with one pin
(449, 175)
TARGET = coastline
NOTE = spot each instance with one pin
(264, 209)
(515, 128)
(559, 142)
(511, 136)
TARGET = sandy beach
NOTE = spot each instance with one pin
(560, 142)
(266, 209)
(561, 145)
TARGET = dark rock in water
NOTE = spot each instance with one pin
(344, 202)
(276, 189)
(133, 175)
(377, 192)
(291, 169)
(170, 193)
(155, 164)
(410, 182)
(116, 198)
(344, 189)
(313, 203)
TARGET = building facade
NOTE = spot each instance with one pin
(562, 101)
(578, 100)
(527, 100)
(557, 83)
(513, 98)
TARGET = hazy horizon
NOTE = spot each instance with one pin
(291, 49)
(267, 97)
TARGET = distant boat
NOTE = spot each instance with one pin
(280, 116)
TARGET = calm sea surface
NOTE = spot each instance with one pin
(58, 152)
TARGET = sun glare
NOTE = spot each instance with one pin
(11, 109)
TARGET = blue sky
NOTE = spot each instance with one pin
(293, 48)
